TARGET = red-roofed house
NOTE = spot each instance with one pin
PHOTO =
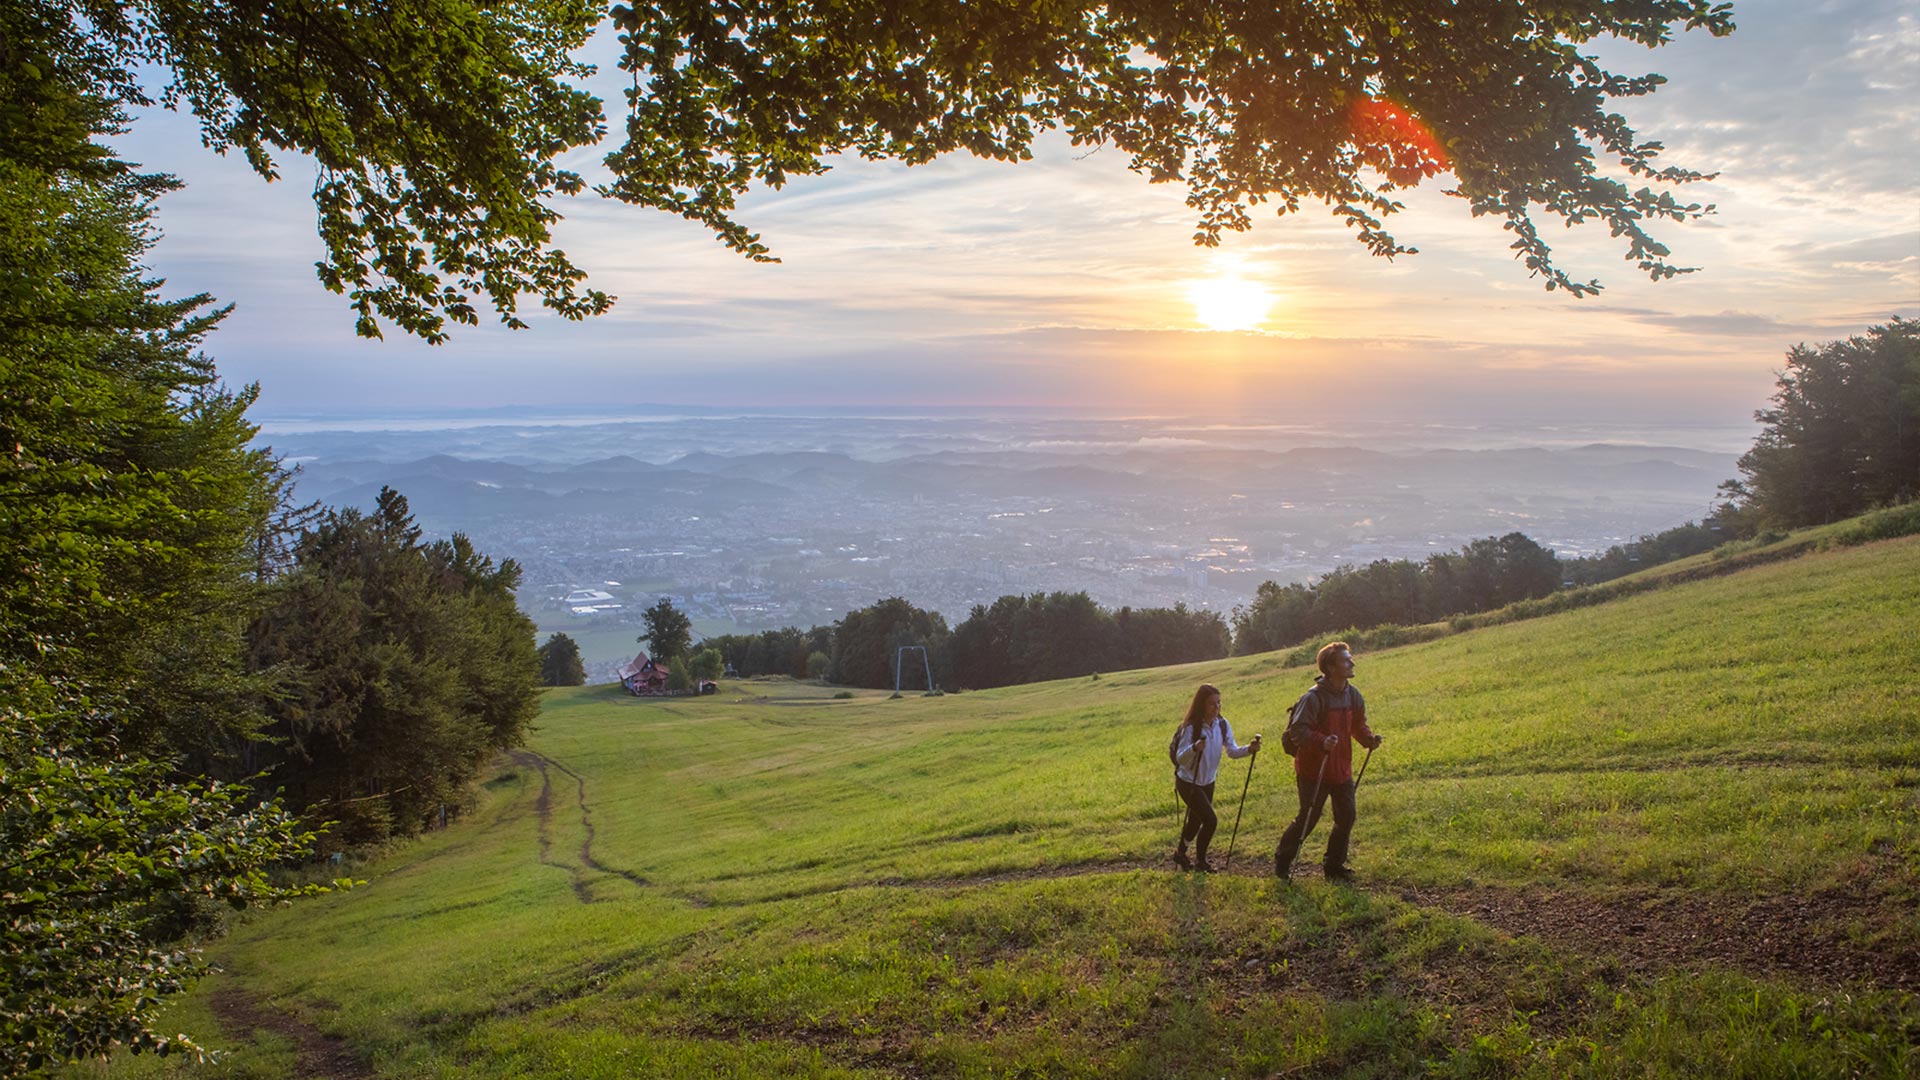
(642, 676)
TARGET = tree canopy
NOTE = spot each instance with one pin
(560, 662)
(1842, 435)
(439, 126)
(403, 666)
(1485, 574)
(132, 513)
(669, 631)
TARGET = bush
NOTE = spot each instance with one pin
(707, 664)
(1887, 524)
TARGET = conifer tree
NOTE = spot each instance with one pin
(560, 662)
(404, 667)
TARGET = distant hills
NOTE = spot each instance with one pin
(447, 487)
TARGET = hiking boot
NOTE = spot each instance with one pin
(1180, 859)
(1341, 874)
(1203, 865)
(1281, 870)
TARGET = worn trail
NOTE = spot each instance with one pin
(321, 1056)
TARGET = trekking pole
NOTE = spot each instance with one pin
(1238, 810)
(1306, 812)
(1363, 769)
(1304, 817)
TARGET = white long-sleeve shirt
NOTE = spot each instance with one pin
(1215, 737)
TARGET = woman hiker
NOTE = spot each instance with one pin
(1197, 744)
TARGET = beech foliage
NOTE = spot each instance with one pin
(440, 128)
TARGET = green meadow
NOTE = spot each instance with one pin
(1672, 835)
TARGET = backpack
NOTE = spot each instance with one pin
(1173, 744)
(1292, 738)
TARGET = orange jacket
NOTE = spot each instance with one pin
(1321, 713)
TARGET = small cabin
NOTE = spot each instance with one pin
(642, 676)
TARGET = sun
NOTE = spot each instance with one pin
(1229, 302)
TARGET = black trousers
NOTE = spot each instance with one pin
(1343, 815)
(1201, 820)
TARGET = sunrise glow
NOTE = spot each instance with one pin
(1229, 302)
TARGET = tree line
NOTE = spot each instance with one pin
(1483, 575)
(1016, 639)
(396, 669)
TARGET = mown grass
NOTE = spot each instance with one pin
(790, 884)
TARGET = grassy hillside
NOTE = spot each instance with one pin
(1673, 835)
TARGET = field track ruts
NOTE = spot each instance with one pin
(543, 807)
(1645, 931)
(322, 1056)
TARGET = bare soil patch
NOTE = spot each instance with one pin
(322, 1056)
(1827, 937)
(1653, 932)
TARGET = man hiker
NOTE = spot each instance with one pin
(1326, 723)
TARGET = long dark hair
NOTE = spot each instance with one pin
(1197, 713)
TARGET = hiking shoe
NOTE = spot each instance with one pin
(1180, 859)
(1341, 874)
(1283, 871)
(1203, 865)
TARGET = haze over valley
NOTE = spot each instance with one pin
(753, 520)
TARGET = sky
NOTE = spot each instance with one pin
(1068, 281)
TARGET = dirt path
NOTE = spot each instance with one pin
(322, 1056)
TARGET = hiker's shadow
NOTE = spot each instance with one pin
(1250, 968)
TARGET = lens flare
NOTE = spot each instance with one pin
(1394, 141)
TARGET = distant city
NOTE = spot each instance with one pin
(756, 520)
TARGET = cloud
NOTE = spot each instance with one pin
(1894, 257)
(1724, 324)
(1819, 100)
